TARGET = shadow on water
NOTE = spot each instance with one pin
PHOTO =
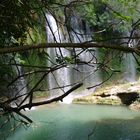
(81, 122)
(117, 130)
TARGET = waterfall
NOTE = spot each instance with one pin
(80, 34)
(12, 85)
(129, 68)
(79, 72)
(18, 88)
(73, 73)
(59, 78)
(129, 62)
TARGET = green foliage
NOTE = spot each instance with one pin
(36, 36)
(37, 61)
(17, 17)
(21, 19)
(7, 73)
(65, 60)
(21, 22)
(115, 15)
(91, 15)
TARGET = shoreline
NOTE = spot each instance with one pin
(108, 95)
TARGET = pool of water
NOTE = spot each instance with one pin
(79, 122)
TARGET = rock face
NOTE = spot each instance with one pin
(127, 94)
(128, 98)
(16, 88)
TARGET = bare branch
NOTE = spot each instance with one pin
(67, 45)
(59, 98)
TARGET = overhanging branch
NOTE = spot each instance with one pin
(59, 98)
(17, 110)
(67, 45)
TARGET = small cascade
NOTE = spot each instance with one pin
(59, 78)
(73, 73)
(129, 68)
(19, 88)
(87, 73)
(130, 63)
(16, 88)
(13, 85)
(53, 31)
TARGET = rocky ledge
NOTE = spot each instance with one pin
(123, 94)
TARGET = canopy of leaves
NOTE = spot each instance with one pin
(17, 17)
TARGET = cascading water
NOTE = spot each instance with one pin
(74, 73)
(59, 78)
(130, 63)
(88, 74)
(19, 88)
(13, 88)
(129, 68)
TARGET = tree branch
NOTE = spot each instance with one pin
(59, 98)
(67, 45)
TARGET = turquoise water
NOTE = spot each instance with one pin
(80, 122)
